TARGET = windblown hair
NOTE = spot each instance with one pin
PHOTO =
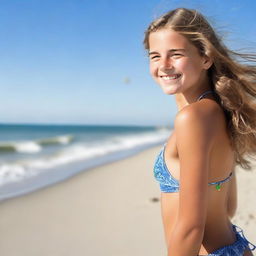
(232, 77)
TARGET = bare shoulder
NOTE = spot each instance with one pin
(203, 118)
(207, 113)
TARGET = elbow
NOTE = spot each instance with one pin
(195, 233)
(188, 236)
(194, 229)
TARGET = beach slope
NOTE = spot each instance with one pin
(104, 211)
(112, 210)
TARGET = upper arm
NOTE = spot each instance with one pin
(194, 137)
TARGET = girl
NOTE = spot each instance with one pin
(214, 129)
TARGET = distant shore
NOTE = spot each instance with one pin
(111, 210)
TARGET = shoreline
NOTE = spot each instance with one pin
(54, 176)
(112, 209)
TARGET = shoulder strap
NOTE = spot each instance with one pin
(202, 95)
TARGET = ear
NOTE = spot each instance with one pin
(207, 62)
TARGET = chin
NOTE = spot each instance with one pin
(168, 92)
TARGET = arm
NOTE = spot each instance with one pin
(194, 138)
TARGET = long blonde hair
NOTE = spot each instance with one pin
(232, 76)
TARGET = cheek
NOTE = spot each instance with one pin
(152, 69)
(182, 65)
(191, 68)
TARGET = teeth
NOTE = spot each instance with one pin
(170, 77)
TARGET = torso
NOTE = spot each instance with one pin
(218, 229)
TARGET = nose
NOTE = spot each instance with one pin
(166, 63)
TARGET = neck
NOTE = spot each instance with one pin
(190, 96)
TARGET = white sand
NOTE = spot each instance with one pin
(246, 213)
(105, 211)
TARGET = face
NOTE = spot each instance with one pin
(175, 63)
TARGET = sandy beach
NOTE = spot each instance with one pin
(109, 210)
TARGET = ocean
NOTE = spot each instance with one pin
(35, 156)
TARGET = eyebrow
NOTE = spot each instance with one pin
(171, 50)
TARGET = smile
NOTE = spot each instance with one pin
(173, 77)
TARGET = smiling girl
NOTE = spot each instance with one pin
(214, 130)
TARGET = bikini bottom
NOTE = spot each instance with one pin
(237, 248)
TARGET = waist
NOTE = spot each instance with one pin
(217, 234)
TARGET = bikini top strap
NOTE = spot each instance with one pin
(202, 95)
(221, 181)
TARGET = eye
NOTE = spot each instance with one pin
(154, 57)
(176, 55)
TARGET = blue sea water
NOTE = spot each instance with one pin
(35, 156)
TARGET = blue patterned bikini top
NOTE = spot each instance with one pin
(168, 183)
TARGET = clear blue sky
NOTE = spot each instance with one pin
(67, 61)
